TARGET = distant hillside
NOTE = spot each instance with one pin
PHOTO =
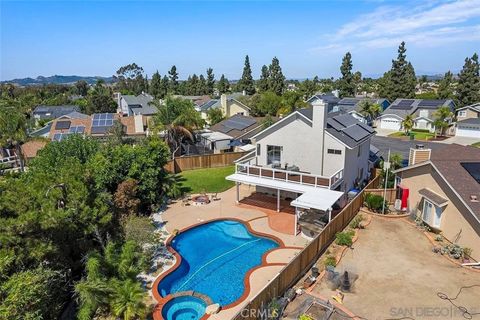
(57, 79)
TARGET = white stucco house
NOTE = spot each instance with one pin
(423, 111)
(309, 157)
(353, 106)
(129, 105)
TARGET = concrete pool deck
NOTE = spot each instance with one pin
(179, 217)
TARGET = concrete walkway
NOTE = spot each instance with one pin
(464, 141)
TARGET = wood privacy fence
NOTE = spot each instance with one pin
(390, 195)
(294, 271)
(203, 161)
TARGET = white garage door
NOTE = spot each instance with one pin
(465, 131)
(390, 123)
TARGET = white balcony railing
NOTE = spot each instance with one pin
(291, 176)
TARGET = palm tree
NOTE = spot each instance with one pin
(407, 124)
(441, 118)
(127, 300)
(176, 118)
(369, 109)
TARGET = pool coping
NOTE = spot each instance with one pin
(161, 301)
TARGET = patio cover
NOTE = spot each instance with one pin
(311, 198)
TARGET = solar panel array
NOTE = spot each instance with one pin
(431, 103)
(77, 129)
(60, 125)
(350, 127)
(60, 136)
(236, 123)
(404, 104)
(102, 120)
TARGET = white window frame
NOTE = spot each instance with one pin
(279, 149)
(425, 214)
(462, 113)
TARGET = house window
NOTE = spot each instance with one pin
(274, 154)
(334, 151)
(359, 152)
(431, 214)
(462, 114)
(258, 149)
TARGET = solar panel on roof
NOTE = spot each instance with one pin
(60, 136)
(335, 124)
(405, 102)
(345, 120)
(102, 120)
(60, 125)
(357, 133)
(100, 130)
(366, 127)
(77, 129)
(431, 103)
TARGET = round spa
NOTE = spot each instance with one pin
(184, 308)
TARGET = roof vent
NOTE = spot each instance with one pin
(473, 198)
(419, 146)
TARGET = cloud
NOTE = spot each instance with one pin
(430, 24)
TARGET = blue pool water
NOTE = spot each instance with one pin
(184, 308)
(215, 259)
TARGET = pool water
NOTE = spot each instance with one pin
(215, 259)
(184, 308)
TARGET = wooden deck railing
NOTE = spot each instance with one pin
(290, 176)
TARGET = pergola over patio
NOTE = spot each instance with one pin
(312, 197)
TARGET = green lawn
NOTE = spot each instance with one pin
(207, 180)
(476, 144)
(419, 135)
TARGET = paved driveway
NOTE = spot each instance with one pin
(400, 276)
(399, 146)
(464, 141)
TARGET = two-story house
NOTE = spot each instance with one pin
(229, 104)
(309, 157)
(422, 110)
(468, 121)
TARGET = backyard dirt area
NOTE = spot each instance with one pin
(399, 276)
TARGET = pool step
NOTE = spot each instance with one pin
(192, 293)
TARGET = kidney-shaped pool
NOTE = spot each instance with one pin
(215, 259)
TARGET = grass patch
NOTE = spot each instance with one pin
(476, 144)
(419, 135)
(207, 180)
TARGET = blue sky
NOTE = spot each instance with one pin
(309, 38)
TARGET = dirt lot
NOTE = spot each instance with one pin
(399, 276)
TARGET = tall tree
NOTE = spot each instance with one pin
(276, 80)
(223, 85)
(445, 90)
(82, 88)
(130, 78)
(468, 88)
(347, 83)
(210, 81)
(173, 80)
(246, 82)
(201, 86)
(263, 84)
(402, 76)
(156, 85)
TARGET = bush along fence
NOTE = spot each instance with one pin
(257, 308)
(390, 194)
(180, 164)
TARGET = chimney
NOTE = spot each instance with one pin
(319, 114)
(223, 103)
(418, 154)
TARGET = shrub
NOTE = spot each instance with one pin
(438, 238)
(330, 261)
(305, 317)
(467, 252)
(344, 238)
(375, 203)
(357, 222)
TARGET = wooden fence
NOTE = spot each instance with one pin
(203, 161)
(390, 194)
(295, 270)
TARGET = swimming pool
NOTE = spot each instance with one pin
(184, 308)
(215, 259)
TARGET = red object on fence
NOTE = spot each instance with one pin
(402, 194)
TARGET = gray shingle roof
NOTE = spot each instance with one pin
(53, 112)
(349, 104)
(140, 104)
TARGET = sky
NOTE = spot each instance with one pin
(95, 38)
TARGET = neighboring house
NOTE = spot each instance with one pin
(30, 149)
(97, 125)
(129, 105)
(232, 133)
(423, 111)
(196, 100)
(309, 157)
(329, 99)
(8, 159)
(353, 107)
(229, 104)
(53, 112)
(468, 121)
(444, 191)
